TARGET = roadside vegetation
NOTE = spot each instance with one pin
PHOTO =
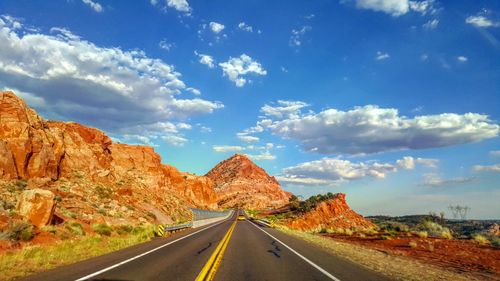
(72, 244)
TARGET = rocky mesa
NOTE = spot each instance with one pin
(241, 183)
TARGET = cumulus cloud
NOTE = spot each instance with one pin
(481, 20)
(174, 140)
(397, 8)
(94, 5)
(283, 109)
(227, 148)
(462, 59)
(109, 88)
(179, 5)
(297, 34)
(382, 56)
(492, 168)
(330, 171)
(205, 59)
(409, 163)
(370, 129)
(237, 68)
(245, 27)
(216, 27)
(435, 180)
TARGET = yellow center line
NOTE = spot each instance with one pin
(210, 268)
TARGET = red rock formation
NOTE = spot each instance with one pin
(37, 205)
(331, 214)
(34, 149)
(241, 183)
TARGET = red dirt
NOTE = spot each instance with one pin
(459, 255)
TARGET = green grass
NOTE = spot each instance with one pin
(34, 259)
(102, 229)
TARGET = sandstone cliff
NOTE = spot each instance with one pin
(96, 179)
(241, 183)
(331, 214)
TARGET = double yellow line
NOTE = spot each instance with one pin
(210, 268)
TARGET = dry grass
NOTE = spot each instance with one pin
(399, 268)
(34, 259)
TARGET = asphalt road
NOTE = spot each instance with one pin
(251, 254)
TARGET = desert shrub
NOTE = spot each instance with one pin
(150, 214)
(495, 242)
(58, 198)
(102, 229)
(49, 228)
(323, 230)
(434, 229)
(103, 192)
(124, 229)
(18, 231)
(75, 228)
(392, 226)
(480, 239)
(422, 234)
(412, 244)
(446, 234)
(370, 231)
(21, 184)
(348, 232)
(385, 237)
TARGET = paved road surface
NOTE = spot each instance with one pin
(251, 254)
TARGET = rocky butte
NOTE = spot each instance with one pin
(241, 183)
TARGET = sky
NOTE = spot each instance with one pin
(394, 102)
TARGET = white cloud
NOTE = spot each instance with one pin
(370, 129)
(462, 59)
(236, 68)
(435, 180)
(227, 148)
(108, 88)
(205, 59)
(284, 109)
(330, 171)
(194, 91)
(397, 8)
(204, 129)
(246, 138)
(296, 37)
(431, 24)
(262, 156)
(492, 168)
(495, 153)
(216, 27)
(153, 2)
(179, 5)
(245, 27)
(94, 5)
(481, 21)
(165, 45)
(382, 56)
(409, 163)
(174, 140)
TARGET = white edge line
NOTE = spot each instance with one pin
(301, 256)
(146, 253)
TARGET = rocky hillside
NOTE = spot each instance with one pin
(332, 214)
(241, 183)
(91, 178)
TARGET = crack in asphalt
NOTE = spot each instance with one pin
(204, 249)
(276, 251)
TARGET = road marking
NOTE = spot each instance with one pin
(301, 256)
(210, 268)
(143, 254)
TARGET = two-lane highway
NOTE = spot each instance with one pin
(227, 250)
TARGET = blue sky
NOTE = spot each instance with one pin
(394, 102)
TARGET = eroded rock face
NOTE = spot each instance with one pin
(241, 183)
(331, 214)
(69, 154)
(37, 206)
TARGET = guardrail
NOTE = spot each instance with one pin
(198, 215)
